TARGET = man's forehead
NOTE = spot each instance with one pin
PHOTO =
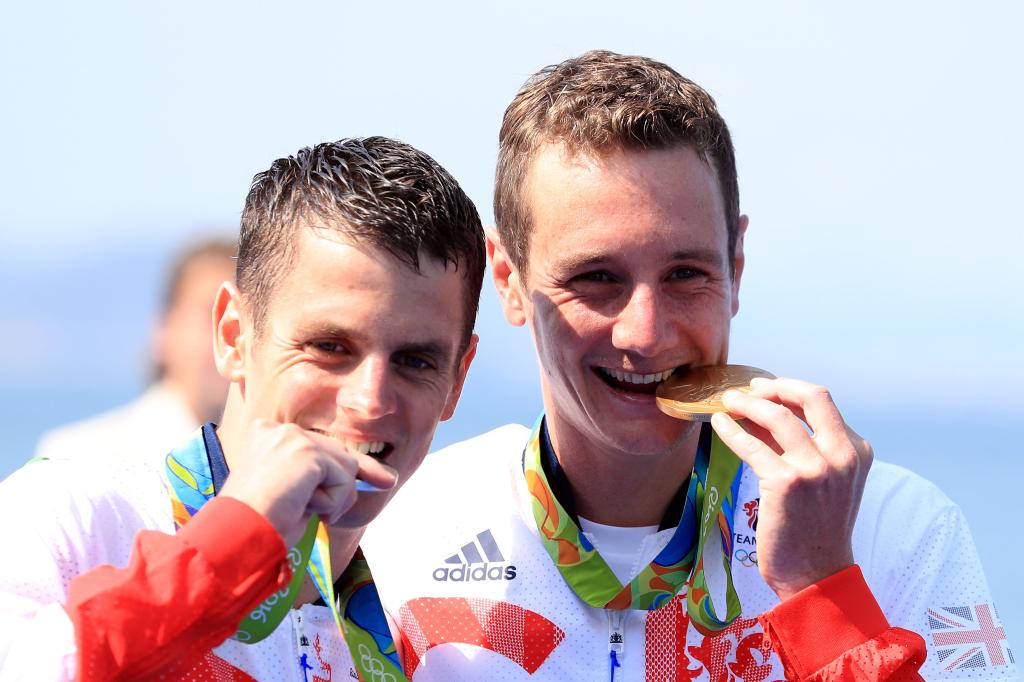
(332, 270)
(665, 185)
(678, 174)
(625, 215)
(341, 232)
(323, 242)
(612, 158)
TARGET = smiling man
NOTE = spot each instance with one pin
(347, 339)
(612, 541)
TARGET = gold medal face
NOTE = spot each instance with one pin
(697, 394)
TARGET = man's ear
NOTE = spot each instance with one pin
(229, 333)
(460, 378)
(506, 279)
(738, 261)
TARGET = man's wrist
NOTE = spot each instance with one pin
(819, 623)
(788, 590)
(235, 539)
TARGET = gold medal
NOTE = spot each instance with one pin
(697, 393)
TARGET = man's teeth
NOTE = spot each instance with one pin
(631, 378)
(366, 447)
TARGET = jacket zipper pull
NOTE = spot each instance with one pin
(616, 640)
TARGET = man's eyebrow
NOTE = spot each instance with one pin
(327, 329)
(431, 348)
(581, 261)
(702, 255)
(435, 348)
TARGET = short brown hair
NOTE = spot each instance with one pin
(375, 190)
(600, 102)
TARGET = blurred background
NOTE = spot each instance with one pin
(880, 149)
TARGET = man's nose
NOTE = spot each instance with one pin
(644, 325)
(369, 390)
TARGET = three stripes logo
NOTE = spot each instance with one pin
(476, 561)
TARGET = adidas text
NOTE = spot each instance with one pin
(468, 573)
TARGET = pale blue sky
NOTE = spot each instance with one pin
(879, 150)
(879, 144)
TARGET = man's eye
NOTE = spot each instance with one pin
(597, 276)
(327, 347)
(684, 273)
(414, 362)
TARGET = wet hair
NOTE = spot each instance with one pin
(375, 191)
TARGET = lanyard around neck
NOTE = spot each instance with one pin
(709, 507)
(192, 482)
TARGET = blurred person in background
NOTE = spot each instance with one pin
(186, 391)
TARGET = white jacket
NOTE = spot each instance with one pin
(62, 518)
(457, 559)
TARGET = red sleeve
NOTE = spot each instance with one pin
(180, 595)
(835, 630)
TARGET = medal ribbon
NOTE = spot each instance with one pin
(357, 612)
(704, 533)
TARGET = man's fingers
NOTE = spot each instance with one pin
(758, 456)
(354, 464)
(787, 430)
(763, 435)
(330, 502)
(375, 472)
(814, 403)
(835, 440)
(336, 451)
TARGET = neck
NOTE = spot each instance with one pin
(618, 488)
(232, 424)
(344, 543)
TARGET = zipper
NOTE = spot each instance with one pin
(616, 640)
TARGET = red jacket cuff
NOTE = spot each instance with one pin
(821, 622)
(238, 542)
(180, 595)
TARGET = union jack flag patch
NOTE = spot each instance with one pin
(968, 637)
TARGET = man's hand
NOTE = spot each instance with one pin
(811, 483)
(287, 474)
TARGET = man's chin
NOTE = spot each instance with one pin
(360, 515)
(344, 523)
(651, 437)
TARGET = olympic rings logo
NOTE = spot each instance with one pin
(373, 667)
(747, 559)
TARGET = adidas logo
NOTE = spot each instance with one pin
(477, 561)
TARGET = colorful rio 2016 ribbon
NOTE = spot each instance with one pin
(358, 612)
(709, 507)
